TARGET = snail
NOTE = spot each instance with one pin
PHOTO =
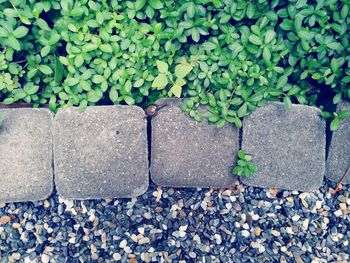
(152, 110)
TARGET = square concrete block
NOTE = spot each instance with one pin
(339, 151)
(26, 172)
(187, 153)
(287, 145)
(101, 152)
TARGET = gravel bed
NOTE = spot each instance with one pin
(242, 224)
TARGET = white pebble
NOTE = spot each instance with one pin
(245, 233)
(255, 217)
(275, 233)
(117, 256)
(123, 243)
(295, 218)
(182, 233)
(141, 230)
(144, 240)
(338, 213)
(318, 204)
(218, 239)
(45, 258)
(261, 249)
(306, 224)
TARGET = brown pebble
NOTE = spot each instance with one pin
(210, 203)
(257, 231)
(159, 209)
(4, 220)
(238, 207)
(133, 260)
(182, 214)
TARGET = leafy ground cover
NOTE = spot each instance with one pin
(232, 55)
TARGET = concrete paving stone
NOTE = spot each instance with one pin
(287, 145)
(338, 160)
(26, 172)
(101, 152)
(187, 153)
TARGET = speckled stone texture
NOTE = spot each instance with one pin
(26, 172)
(187, 153)
(101, 152)
(287, 145)
(339, 151)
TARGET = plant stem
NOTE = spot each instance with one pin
(343, 177)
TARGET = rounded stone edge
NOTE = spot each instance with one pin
(50, 189)
(139, 191)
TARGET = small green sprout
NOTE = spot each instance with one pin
(245, 166)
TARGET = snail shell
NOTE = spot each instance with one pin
(151, 110)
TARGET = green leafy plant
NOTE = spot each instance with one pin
(235, 54)
(338, 117)
(245, 165)
(177, 80)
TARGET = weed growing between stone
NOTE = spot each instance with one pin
(245, 165)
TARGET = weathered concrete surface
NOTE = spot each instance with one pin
(187, 153)
(338, 159)
(101, 152)
(26, 172)
(287, 145)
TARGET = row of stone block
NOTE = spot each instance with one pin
(103, 151)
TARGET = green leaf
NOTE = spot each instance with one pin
(156, 4)
(335, 46)
(97, 79)
(106, 48)
(160, 81)
(267, 55)
(129, 100)
(180, 82)
(242, 111)
(182, 70)
(85, 85)
(281, 81)
(162, 66)
(42, 24)
(255, 40)
(45, 51)
(3, 32)
(139, 4)
(250, 10)
(59, 71)
(8, 101)
(335, 123)
(14, 43)
(45, 69)
(191, 10)
(79, 60)
(113, 95)
(209, 46)
(20, 32)
(92, 96)
(337, 98)
(83, 105)
(287, 102)
(241, 154)
(31, 89)
(286, 25)
(138, 83)
(195, 34)
(176, 90)
(269, 36)
(221, 123)
(71, 81)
